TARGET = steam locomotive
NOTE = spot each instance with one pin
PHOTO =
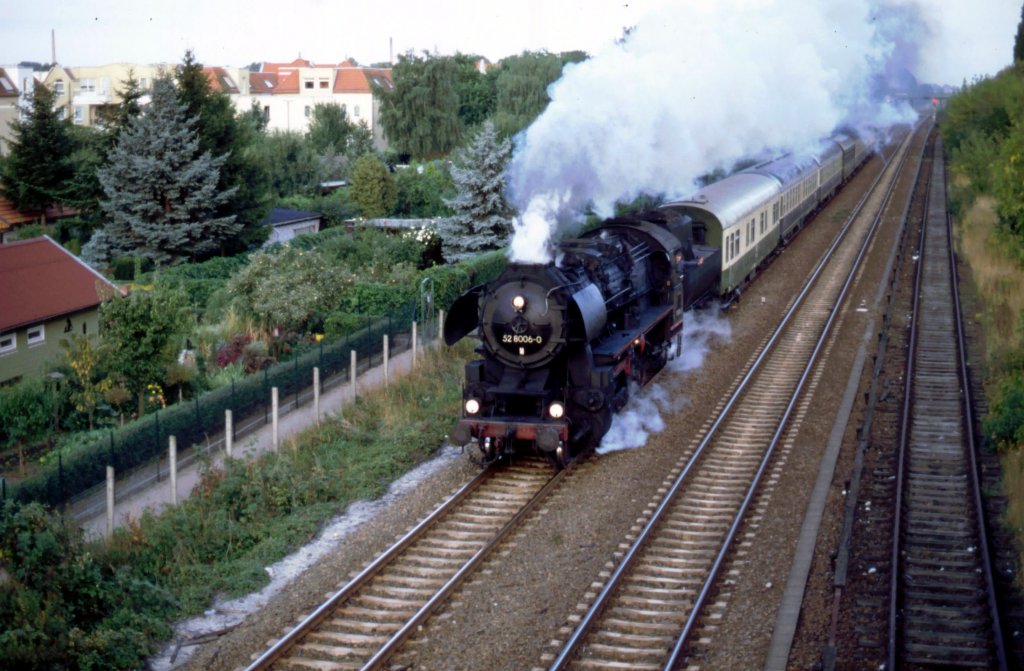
(561, 343)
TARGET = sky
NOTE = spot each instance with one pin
(965, 39)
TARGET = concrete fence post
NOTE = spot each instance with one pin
(110, 501)
(414, 343)
(316, 394)
(352, 373)
(229, 432)
(440, 323)
(273, 414)
(172, 463)
(386, 360)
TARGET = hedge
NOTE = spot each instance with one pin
(194, 421)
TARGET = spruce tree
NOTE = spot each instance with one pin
(36, 172)
(162, 193)
(483, 218)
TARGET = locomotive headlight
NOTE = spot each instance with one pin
(556, 410)
(472, 406)
(519, 303)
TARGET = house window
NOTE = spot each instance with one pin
(58, 87)
(79, 115)
(67, 326)
(323, 83)
(87, 86)
(355, 110)
(308, 111)
(308, 83)
(36, 334)
(144, 83)
(266, 113)
(8, 342)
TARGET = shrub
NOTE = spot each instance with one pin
(63, 607)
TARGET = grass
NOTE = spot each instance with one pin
(245, 516)
(994, 259)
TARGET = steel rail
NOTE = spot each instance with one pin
(970, 447)
(1002, 658)
(630, 557)
(281, 647)
(823, 337)
(400, 636)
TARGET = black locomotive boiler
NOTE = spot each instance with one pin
(561, 343)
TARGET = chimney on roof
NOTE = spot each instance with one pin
(53, 45)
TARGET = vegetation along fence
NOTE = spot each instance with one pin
(78, 471)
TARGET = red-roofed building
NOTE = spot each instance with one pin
(288, 92)
(46, 294)
(221, 80)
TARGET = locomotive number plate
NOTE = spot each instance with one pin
(517, 339)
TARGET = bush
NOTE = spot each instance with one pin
(63, 607)
(339, 324)
(1004, 423)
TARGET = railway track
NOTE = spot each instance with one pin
(368, 619)
(643, 615)
(913, 578)
(943, 604)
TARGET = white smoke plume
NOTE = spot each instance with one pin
(692, 88)
(642, 416)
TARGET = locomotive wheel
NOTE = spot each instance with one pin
(599, 423)
(563, 456)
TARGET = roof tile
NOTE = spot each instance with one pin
(42, 280)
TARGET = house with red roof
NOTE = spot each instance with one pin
(46, 294)
(288, 92)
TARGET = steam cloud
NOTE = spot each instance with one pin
(698, 87)
(642, 415)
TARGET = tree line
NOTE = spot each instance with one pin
(175, 174)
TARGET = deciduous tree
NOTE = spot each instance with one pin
(141, 334)
(82, 357)
(286, 287)
(421, 114)
(26, 415)
(1018, 44)
(373, 188)
(522, 87)
(477, 92)
(329, 128)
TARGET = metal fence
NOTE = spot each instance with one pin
(200, 421)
